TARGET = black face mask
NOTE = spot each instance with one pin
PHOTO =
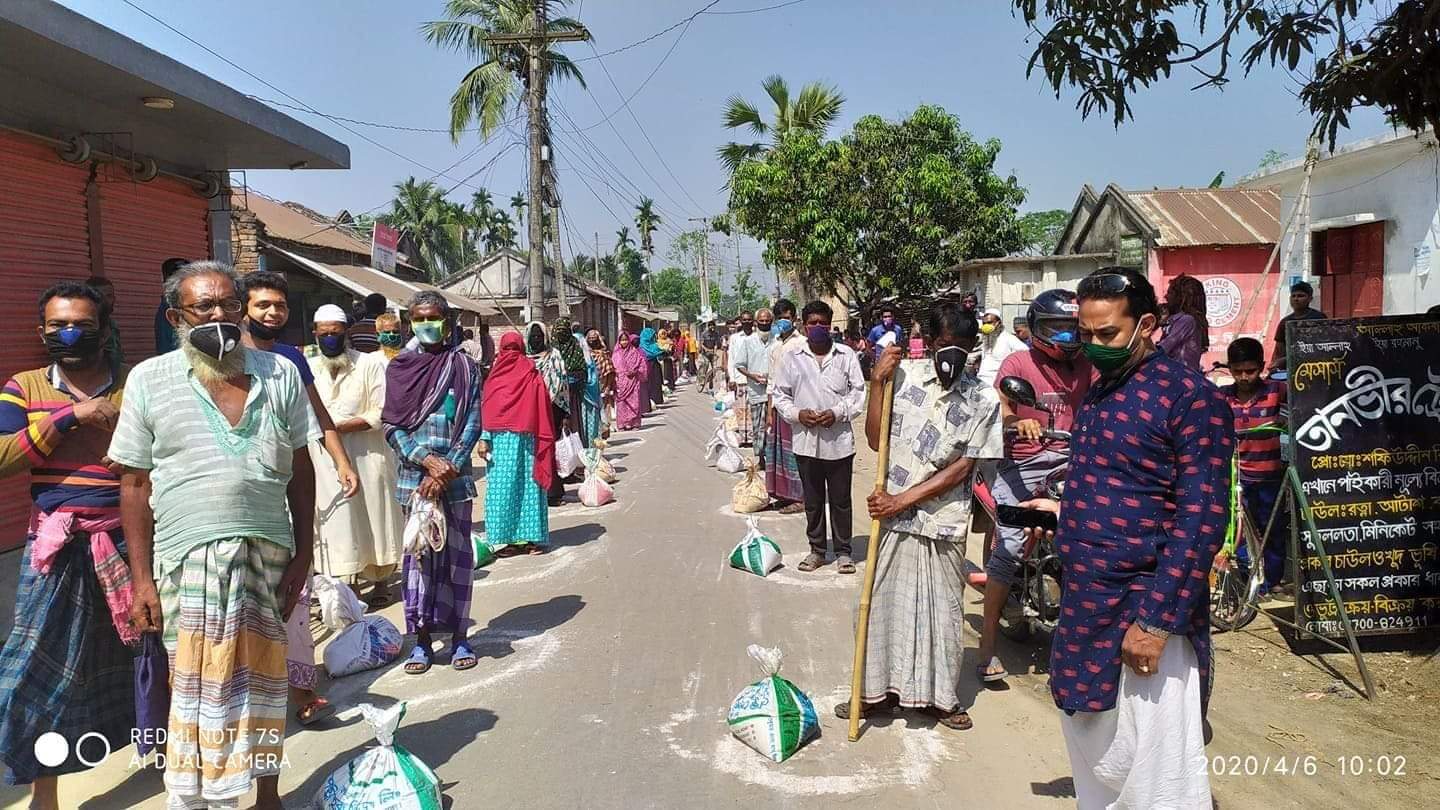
(216, 339)
(260, 331)
(72, 342)
(949, 362)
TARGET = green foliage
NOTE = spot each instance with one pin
(813, 110)
(1359, 53)
(674, 287)
(495, 85)
(744, 294)
(421, 212)
(646, 221)
(884, 211)
(1271, 159)
(1040, 230)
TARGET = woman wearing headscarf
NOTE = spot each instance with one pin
(631, 392)
(520, 430)
(599, 385)
(551, 367)
(667, 358)
(575, 360)
(652, 351)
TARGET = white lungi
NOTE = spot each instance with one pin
(1147, 753)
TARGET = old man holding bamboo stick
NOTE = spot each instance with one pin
(943, 421)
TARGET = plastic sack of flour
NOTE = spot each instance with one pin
(757, 553)
(362, 642)
(595, 492)
(386, 777)
(772, 715)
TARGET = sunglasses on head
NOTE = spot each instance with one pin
(1106, 284)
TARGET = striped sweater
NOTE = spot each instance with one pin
(40, 434)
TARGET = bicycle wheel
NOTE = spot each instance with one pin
(1235, 583)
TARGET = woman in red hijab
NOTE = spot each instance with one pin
(515, 412)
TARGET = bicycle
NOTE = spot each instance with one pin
(1235, 579)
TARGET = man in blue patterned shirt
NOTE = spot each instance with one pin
(432, 420)
(1144, 511)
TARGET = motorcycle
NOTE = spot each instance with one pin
(1034, 602)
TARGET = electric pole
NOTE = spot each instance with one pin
(535, 43)
(597, 257)
(704, 262)
(559, 260)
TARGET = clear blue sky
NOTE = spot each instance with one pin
(365, 59)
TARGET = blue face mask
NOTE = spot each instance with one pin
(783, 327)
(428, 332)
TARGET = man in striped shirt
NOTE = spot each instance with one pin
(1258, 401)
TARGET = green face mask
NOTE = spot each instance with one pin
(1109, 358)
(429, 332)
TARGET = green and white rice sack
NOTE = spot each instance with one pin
(772, 715)
(757, 553)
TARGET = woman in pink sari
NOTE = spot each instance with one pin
(631, 375)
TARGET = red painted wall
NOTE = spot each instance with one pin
(1233, 274)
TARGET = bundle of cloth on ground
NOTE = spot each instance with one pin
(772, 715)
(386, 777)
(756, 553)
(362, 642)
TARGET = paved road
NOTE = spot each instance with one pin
(607, 666)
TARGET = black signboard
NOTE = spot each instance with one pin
(1365, 430)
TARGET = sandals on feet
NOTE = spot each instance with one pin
(811, 562)
(419, 661)
(992, 672)
(792, 508)
(314, 711)
(958, 721)
(462, 657)
(844, 565)
(884, 706)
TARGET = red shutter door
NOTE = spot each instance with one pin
(43, 238)
(142, 225)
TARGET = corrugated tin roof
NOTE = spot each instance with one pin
(365, 280)
(1190, 217)
(283, 222)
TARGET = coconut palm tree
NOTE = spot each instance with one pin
(495, 85)
(646, 221)
(813, 110)
(518, 204)
(623, 242)
(482, 205)
(420, 209)
(500, 232)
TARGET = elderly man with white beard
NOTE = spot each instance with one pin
(217, 499)
(357, 538)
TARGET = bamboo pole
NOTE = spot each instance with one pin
(872, 551)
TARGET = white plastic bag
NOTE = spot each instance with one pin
(386, 777)
(362, 642)
(772, 715)
(569, 454)
(425, 528)
(730, 460)
(724, 448)
(757, 553)
(595, 492)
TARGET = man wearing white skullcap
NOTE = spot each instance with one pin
(995, 345)
(357, 538)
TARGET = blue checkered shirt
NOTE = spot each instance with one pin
(433, 438)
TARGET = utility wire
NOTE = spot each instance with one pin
(652, 37)
(624, 104)
(398, 127)
(309, 108)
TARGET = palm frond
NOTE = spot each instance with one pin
(483, 97)
(816, 108)
(734, 154)
(741, 113)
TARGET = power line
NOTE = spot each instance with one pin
(311, 109)
(624, 102)
(652, 37)
(600, 160)
(398, 127)
(753, 10)
(638, 162)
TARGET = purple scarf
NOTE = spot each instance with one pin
(416, 383)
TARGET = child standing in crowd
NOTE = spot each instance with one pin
(1258, 401)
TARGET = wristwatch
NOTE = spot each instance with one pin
(1163, 635)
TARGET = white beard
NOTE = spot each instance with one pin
(207, 369)
(336, 365)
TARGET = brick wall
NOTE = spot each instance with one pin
(246, 230)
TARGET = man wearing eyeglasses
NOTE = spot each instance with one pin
(1143, 513)
(217, 504)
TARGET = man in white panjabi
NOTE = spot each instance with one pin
(357, 538)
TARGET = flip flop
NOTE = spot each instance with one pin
(992, 672)
(314, 711)
(811, 562)
(462, 657)
(419, 662)
(958, 721)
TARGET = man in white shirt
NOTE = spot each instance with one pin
(995, 345)
(752, 362)
(736, 349)
(818, 390)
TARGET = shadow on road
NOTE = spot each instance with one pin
(497, 639)
(433, 741)
(576, 535)
(1060, 788)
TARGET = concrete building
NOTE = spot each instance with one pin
(1368, 234)
(114, 158)
(502, 280)
(1222, 236)
(324, 262)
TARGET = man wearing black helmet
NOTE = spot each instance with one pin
(1060, 375)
